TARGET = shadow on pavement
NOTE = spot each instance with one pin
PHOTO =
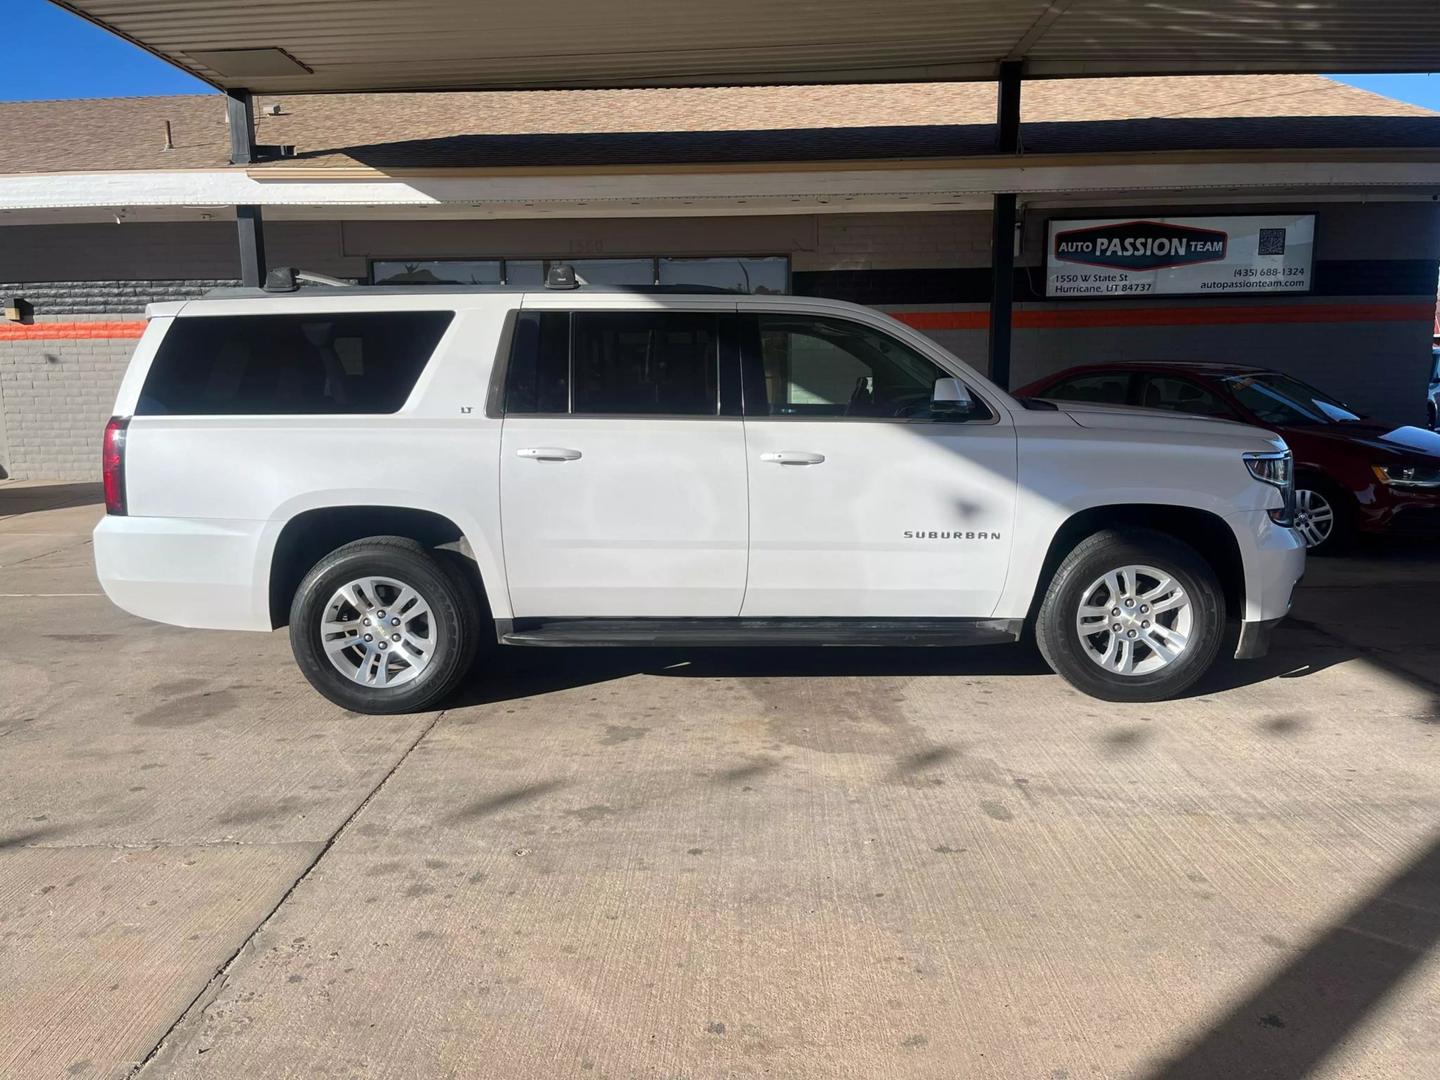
(1284, 1028)
(506, 673)
(17, 499)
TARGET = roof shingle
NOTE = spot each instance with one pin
(388, 130)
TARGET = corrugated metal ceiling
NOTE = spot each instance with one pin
(339, 45)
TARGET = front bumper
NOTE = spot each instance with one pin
(1255, 638)
(1273, 558)
(1400, 510)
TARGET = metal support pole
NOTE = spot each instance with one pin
(1002, 228)
(240, 110)
(1002, 286)
(252, 245)
(1007, 109)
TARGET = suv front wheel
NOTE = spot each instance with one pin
(379, 626)
(1131, 616)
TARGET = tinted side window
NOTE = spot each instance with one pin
(1179, 395)
(1112, 388)
(645, 362)
(816, 366)
(538, 379)
(287, 364)
(615, 363)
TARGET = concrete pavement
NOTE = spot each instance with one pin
(864, 863)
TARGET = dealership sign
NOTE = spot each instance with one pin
(1127, 257)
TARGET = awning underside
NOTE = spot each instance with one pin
(353, 45)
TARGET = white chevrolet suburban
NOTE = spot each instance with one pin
(405, 476)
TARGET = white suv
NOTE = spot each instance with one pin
(406, 475)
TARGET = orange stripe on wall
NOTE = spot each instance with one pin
(69, 331)
(1083, 318)
(944, 320)
(1223, 316)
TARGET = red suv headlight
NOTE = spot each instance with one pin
(1408, 476)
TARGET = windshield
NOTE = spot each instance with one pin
(1279, 399)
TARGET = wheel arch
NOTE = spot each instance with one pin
(1205, 531)
(308, 536)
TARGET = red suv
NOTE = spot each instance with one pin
(1352, 474)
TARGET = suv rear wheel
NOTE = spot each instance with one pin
(1131, 616)
(379, 626)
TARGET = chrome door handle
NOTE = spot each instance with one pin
(548, 453)
(793, 457)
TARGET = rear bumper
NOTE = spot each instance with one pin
(187, 572)
(1255, 638)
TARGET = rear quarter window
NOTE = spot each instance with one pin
(289, 364)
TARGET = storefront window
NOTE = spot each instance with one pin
(437, 272)
(524, 271)
(763, 274)
(614, 271)
(766, 275)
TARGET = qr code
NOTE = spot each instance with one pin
(1272, 242)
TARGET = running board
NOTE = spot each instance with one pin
(722, 632)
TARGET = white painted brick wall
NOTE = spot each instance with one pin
(55, 397)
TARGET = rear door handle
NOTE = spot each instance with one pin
(793, 457)
(548, 453)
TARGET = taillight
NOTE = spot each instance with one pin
(112, 465)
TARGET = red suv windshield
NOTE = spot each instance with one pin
(1279, 399)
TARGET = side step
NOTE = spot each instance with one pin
(721, 632)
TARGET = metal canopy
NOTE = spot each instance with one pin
(302, 46)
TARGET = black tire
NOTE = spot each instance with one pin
(1341, 537)
(454, 618)
(1063, 648)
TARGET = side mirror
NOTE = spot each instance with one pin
(951, 397)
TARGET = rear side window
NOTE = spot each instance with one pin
(1112, 388)
(614, 363)
(287, 364)
(1180, 395)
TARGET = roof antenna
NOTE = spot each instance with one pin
(563, 276)
(288, 279)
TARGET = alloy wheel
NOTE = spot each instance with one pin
(1314, 517)
(378, 632)
(1134, 620)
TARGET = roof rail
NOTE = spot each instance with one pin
(288, 279)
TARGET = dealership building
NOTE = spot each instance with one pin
(1287, 221)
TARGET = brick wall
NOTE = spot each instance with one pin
(62, 299)
(898, 241)
(55, 396)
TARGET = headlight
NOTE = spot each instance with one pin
(1413, 476)
(1273, 468)
(1278, 470)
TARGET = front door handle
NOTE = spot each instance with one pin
(793, 457)
(548, 453)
